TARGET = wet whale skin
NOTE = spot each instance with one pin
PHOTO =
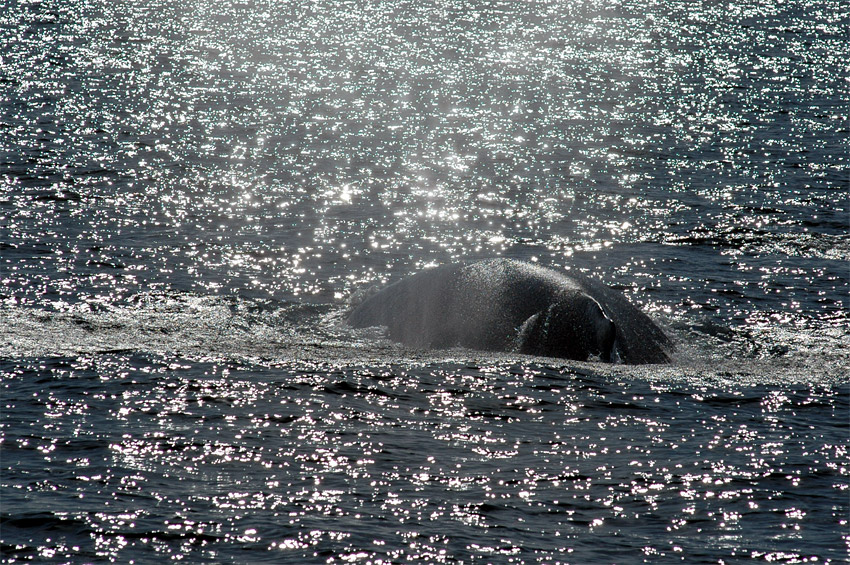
(495, 304)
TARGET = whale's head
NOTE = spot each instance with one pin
(574, 327)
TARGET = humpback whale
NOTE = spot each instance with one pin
(509, 305)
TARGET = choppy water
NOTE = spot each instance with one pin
(192, 191)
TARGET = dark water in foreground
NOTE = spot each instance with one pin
(131, 456)
(190, 193)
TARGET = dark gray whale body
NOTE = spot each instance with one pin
(508, 305)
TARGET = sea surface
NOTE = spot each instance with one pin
(192, 192)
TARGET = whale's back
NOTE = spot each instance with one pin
(483, 305)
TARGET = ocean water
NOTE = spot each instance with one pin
(191, 193)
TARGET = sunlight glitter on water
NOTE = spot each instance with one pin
(191, 191)
(420, 109)
(516, 448)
